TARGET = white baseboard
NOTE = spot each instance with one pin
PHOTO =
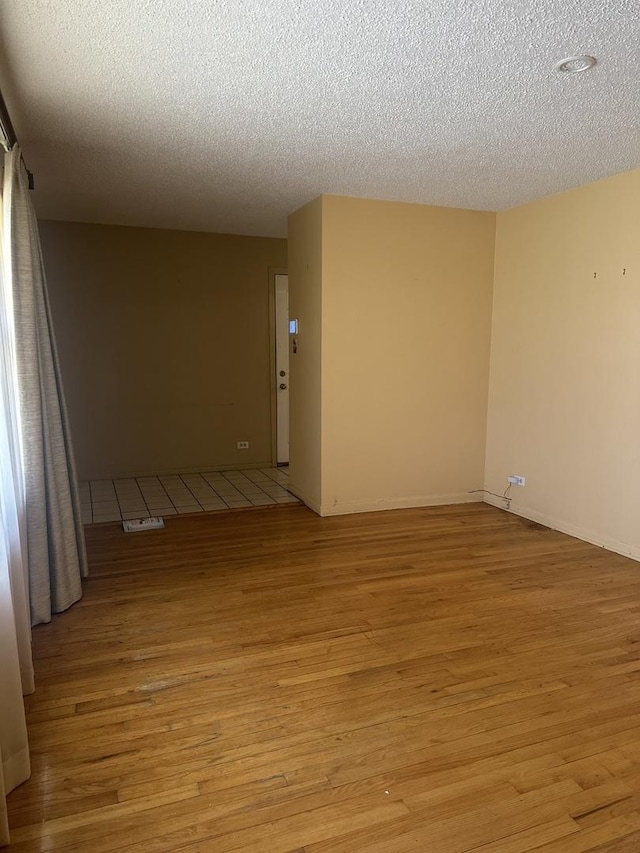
(625, 549)
(349, 507)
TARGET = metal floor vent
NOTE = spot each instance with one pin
(136, 524)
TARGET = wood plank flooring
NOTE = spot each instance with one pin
(437, 680)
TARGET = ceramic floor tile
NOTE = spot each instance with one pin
(101, 519)
(140, 514)
(101, 507)
(172, 494)
(178, 502)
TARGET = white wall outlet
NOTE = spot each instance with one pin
(243, 445)
(515, 480)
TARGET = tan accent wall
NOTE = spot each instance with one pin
(564, 403)
(164, 345)
(404, 352)
(305, 366)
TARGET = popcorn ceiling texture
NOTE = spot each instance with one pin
(227, 116)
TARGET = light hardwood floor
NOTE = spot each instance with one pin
(429, 680)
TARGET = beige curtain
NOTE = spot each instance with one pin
(16, 670)
(55, 535)
(42, 555)
(14, 747)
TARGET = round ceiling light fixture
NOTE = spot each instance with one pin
(574, 64)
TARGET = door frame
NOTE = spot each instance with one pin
(273, 272)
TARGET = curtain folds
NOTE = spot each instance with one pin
(55, 536)
(16, 669)
(42, 554)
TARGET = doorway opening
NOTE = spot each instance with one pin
(280, 380)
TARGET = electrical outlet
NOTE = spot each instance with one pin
(243, 445)
(515, 480)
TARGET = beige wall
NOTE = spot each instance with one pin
(305, 366)
(564, 403)
(164, 344)
(404, 356)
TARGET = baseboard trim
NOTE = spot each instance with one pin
(304, 498)
(350, 507)
(625, 549)
(167, 472)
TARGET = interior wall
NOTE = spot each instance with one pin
(164, 345)
(401, 352)
(564, 401)
(305, 365)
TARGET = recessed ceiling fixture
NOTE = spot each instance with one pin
(573, 64)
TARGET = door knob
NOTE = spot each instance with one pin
(283, 386)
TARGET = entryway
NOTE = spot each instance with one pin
(173, 494)
(281, 379)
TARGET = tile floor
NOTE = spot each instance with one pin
(141, 497)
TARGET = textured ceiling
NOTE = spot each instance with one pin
(226, 116)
